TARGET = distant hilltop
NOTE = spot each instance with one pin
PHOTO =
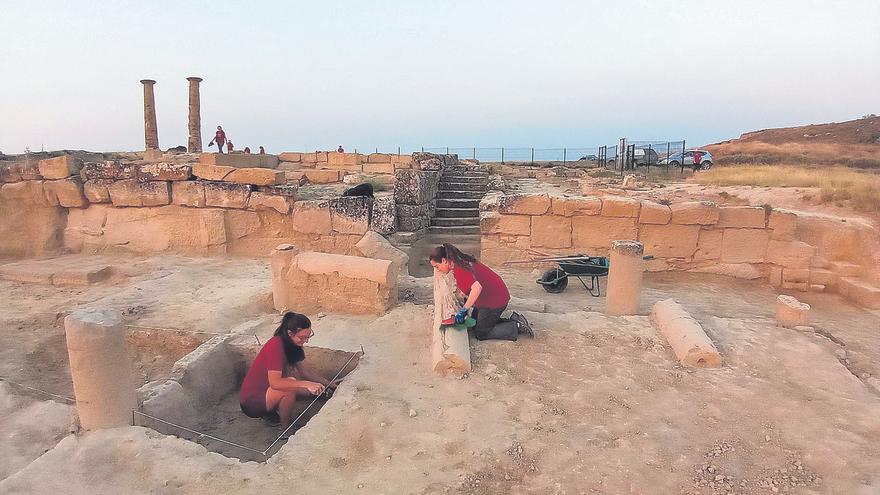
(854, 143)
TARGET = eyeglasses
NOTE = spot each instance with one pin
(294, 332)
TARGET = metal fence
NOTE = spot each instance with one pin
(634, 154)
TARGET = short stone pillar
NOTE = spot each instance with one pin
(624, 293)
(100, 367)
(282, 258)
(791, 313)
(195, 117)
(151, 132)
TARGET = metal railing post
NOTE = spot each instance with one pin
(447, 150)
(502, 155)
(475, 153)
(563, 155)
(533, 156)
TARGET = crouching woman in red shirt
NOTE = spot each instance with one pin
(279, 374)
(486, 294)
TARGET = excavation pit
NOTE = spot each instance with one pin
(201, 400)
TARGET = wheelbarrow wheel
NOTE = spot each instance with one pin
(554, 280)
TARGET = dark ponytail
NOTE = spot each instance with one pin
(453, 254)
(292, 322)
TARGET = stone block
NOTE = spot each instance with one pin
(59, 167)
(575, 206)
(615, 206)
(790, 254)
(775, 276)
(28, 192)
(351, 215)
(695, 213)
(65, 192)
(551, 231)
(323, 176)
(96, 190)
(261, 201)
(669, 241)
(384, 217)
(252, 176)
(421, 210)
(344, 159)
(749, 217)
(654, 213)
(411, 224)
(743, 245)
(782, 225)
(378, 158)
(131, 192)
(226, 194)
(373, 245)
(379, 168)
(401, 159)
(27, 169)
(188, 193)
(845, 268)
(597, 233)
(415, 187)
(796, 275)
(496, 223)
(288, 156)
(860, 292)
(9, 172)
(708, 245)
(165, 172)
(524, 204)
(153, 155)
(822, 276)
(286, 190)
(312, 217)
(791, 313)
(239, 160)
(109, 170)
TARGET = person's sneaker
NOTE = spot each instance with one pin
(272, 418)
(522, 324)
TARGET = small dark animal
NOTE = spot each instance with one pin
(365, 189)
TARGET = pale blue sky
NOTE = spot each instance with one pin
(312, 75)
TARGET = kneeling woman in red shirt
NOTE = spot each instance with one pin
(486, 294)
(279, 373)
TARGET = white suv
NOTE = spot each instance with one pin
(676, 159)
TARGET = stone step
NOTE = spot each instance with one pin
(444, 194)
(467, 168)
(462, 173)
(454, 222)
(462, 186)
(859, 291)
(449, 231)
(458, 203)
(465, 178)
(456, 212)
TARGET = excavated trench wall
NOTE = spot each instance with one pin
(791, 250)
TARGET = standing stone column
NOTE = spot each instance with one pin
(195, 117)
(100, 368)
(151, 133)
(624, 293)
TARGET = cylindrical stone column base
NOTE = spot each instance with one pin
(100, 367)
(624, 294)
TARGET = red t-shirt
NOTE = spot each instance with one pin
(220, 137)
(698, 157)
(270, 358)
(494, 295)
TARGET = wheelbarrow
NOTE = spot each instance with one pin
(587, 269)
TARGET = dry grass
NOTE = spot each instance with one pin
(751, 152)
(838, 184)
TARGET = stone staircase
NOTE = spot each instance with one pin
(457, 209)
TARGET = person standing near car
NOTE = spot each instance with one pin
(698, 159)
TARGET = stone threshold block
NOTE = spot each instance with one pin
(60, 167)
(309, 282)
(62, 272)
(690, 343)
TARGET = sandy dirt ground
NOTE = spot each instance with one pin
(594, 404)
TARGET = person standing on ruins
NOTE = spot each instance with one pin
(219, 138)
(279, 373)
(229, 147)
(262, 150)
(340, 150)
(487, 295)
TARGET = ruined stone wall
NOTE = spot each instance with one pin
(330, 166)
(197, 208)
(416, 188)
(791, 250)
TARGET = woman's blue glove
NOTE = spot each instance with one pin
(461, 316)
